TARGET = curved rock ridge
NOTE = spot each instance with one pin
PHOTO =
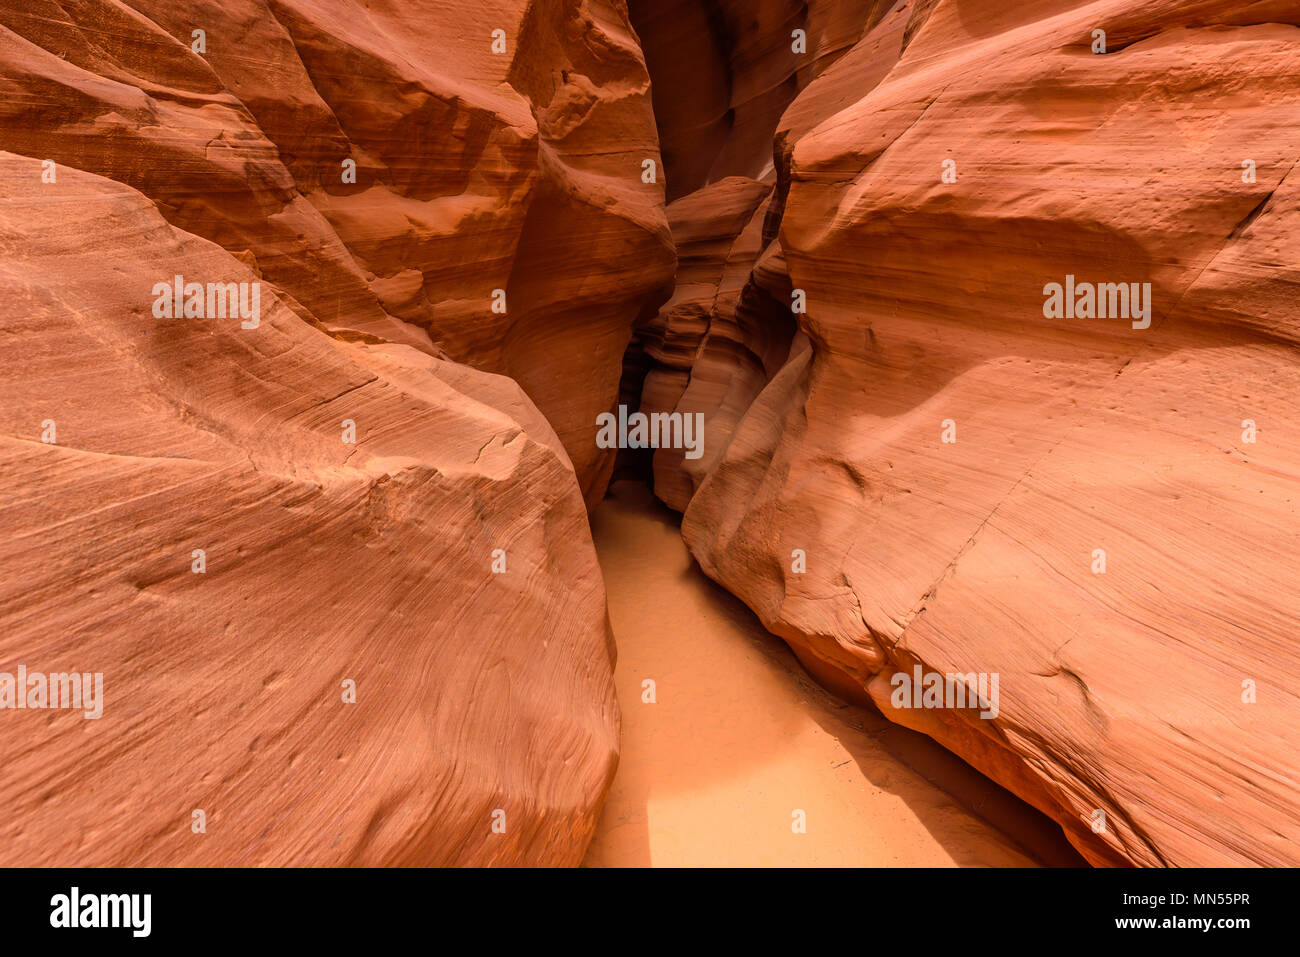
(187, 518)
(728, 325)
(725, 70)
(946, 474)
(495, 213)
(713, 346)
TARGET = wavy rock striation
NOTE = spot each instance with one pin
(473, 171)
(423, 215)
(1103, 516)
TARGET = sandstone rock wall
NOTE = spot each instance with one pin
(1162, 690)
(220, 156)
(475, 171)
(918, 466)
(724, 73)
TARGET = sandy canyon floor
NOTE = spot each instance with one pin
(713, 771)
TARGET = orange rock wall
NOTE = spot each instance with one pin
(441, 564)
(476, 171)
(1160, 691)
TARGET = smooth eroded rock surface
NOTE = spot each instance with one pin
(952, 464)
(496, 211)
(484, 728)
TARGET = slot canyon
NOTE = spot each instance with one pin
(314, 307)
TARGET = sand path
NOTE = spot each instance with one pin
(740, 738)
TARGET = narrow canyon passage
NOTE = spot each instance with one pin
(330, 317)
(739, 746)
(739, 737)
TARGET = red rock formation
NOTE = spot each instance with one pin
(924, 469)
(224, 156)
(476, 171)
(1162, 691)
(718, 340)
(323, 563)
(725, 70)
(728, 325)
